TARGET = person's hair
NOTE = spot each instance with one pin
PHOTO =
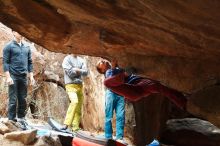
(98, 68)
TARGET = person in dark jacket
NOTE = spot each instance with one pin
(17, 63)
(134, 87)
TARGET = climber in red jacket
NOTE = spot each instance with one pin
(134, 87)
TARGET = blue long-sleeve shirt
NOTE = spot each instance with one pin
(112, 72)
(129, 79)
(17, 59)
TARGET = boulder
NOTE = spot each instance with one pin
(176, 42)
(48, 141)
(49, 100)
(190, 132)
(7, 142)
(11, 125)
(204, 104)
(26, 137)
(3, 128)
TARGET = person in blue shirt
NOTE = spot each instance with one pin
(134, 87)
(17, 62)
(113, 102)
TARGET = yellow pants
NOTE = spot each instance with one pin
(73, 114)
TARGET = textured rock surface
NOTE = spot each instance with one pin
(26, 137)
(171, 41)
(175, 42)
(3, 128)
(6, 142)
(190, 132)
(11, 125)
(50, 100)
(151, 114)
(94, 101)
(48, 141)
(204, 104)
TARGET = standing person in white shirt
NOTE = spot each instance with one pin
(74, 69)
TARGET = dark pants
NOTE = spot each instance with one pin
(17, 94)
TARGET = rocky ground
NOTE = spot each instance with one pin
(12, 134)
(38, 133)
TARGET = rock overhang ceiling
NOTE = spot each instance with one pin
(176, 42)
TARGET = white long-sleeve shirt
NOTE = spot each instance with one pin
(70, 65)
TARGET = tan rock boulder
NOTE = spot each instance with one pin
(190, 132)
(11, 125)
(205, 104)
(48, 141)
(7, 142)
(50, 101)
(26, 137)
(3, 128)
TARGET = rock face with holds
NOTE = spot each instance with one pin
(175, 42)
